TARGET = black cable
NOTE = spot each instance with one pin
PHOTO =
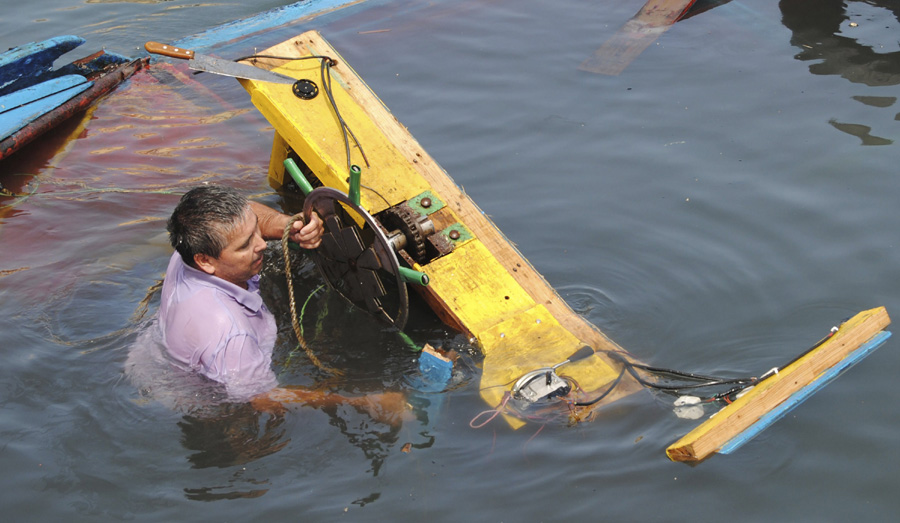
(287, 58)
(614, 384)
(708, 381)
(345, 129)
(671, 372)
(326, 63)
(376, 193)
(728, 393)
(814, 347)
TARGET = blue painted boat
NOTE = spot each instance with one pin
(35, 97)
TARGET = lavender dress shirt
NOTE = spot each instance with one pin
(217, 329)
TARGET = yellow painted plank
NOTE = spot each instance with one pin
(467, 211)
(732, 420)
(280, 150)
(512, 343)
(312, 129)
(478, 290)
(511, 358)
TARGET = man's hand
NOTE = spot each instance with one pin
(308, 235)
(272, 224)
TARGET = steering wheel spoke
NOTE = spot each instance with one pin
(356, 258)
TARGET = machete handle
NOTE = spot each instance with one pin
(168, 50)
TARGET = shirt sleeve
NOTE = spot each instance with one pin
(244, 368)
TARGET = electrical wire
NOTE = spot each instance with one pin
(697, 381)
(605, 393)
(326, 63)
(700, 381)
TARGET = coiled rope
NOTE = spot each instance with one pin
(295, 318)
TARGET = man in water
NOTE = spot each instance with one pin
(212, 318)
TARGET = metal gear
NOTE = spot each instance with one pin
(406, 220)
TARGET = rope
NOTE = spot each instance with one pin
(290, 357)
(295, 322)
(491, 413)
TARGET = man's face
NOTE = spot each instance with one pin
(242, 257)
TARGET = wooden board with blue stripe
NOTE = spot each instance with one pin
(775, 396)
(20, 108)
(36, 95)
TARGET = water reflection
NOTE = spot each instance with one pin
(219, 434)
(856, 40)
(222, 434)
(823, 29)
(236, 435)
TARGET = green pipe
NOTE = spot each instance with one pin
(413, 276)
(298, 177)
(355, 175)
(409, 342)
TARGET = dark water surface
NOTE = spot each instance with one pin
(717, 207)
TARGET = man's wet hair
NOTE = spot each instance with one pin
(203, 219)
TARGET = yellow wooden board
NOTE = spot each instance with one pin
(389, 177)
(480, 293)
(485, 287)
(735, 418)
(514, 347)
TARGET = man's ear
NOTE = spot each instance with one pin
(205, 263)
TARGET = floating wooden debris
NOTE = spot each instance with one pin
(635, 36)
(776, 395)
(35, 97)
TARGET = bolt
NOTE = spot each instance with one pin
(454, 234)
(426, 202)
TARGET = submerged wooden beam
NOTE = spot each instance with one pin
(635, 36)
(776, 395)
(484, 288)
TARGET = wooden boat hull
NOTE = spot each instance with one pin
(484, 288)
(35, 98)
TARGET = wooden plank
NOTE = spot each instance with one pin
(464, 291)
(635, 36)
(535, 339)
(20, 108)
(469, 213)
(324, 151)
(478, 292)
(101, 86)
(27, 64)
(733, 420)
(801, 395)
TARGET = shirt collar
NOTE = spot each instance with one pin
(249, 297)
